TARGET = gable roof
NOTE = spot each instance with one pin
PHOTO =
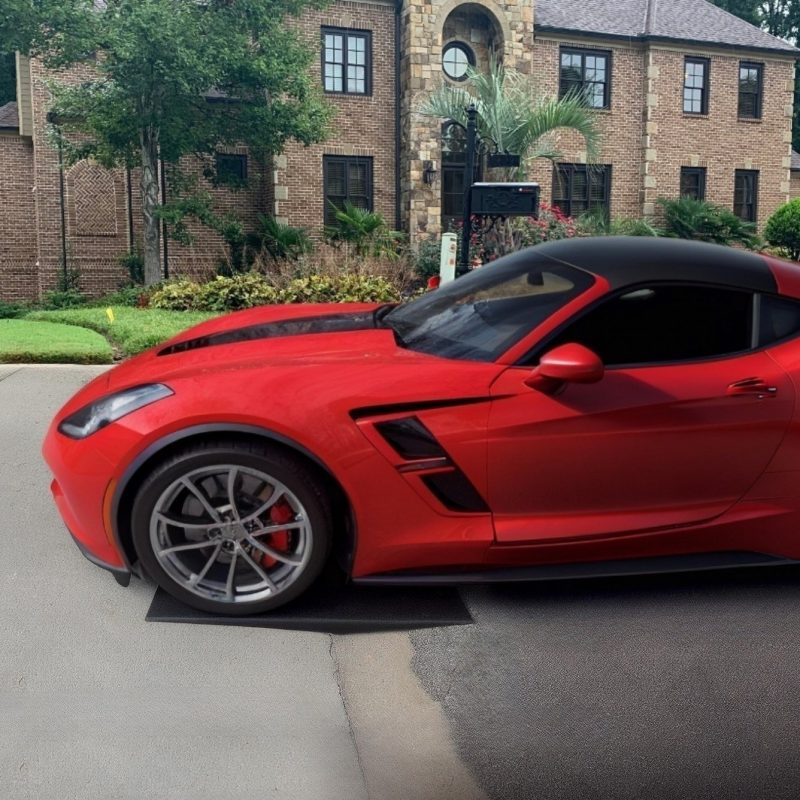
(9, 118)
(695, 21)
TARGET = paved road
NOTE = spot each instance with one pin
(667, 687)
(97, 704)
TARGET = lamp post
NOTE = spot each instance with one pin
(469, 174)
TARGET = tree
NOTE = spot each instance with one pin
(513, 114)
(8, 78)
(170, 78)
(783, 229)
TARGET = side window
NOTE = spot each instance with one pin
(662, 324)
(777, 317)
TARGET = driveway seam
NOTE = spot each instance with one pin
(9, 374)
(337, 678)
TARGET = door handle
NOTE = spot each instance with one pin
(749, 387)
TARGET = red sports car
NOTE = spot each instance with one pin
(588, 406)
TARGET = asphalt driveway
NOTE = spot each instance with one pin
(665, 687)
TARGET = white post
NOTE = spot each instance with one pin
(447, 262)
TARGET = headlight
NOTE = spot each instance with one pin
(109, 409)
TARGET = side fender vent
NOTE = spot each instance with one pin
(410, 438)
(454, 491)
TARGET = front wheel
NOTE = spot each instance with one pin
(232, 528)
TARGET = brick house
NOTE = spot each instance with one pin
(692, 100)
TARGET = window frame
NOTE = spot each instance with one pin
(701, 184)
(347, 33)
(705, 93)
(754, 174)
(533, 356)
(464, 48)
(607, 170)
(230, 178)
(758, 94)
(563, 89)
(327, 160)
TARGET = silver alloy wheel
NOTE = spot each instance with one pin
(214, 532)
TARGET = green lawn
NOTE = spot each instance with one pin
(133, 329)
(27, 342)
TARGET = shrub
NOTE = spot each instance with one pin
(12, 310)
(66, 298)
(783, 229)
(239, 291)
(283, 241)
(365, 232)
(134, 263)
(598, 225)
(428, 257)
(178, 295)
(345, 288)
(133, 296)
(686, 218)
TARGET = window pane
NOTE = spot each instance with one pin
(337, 183)
(779, 318)
(357, 178)
(664, 324)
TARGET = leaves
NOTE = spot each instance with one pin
(513, 114)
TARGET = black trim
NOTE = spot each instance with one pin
(457, 44)
(564, 174)
(420, 405)
(332, 323)
(758, 94)
(410, 438)
(337, 201)
(704, 89)
(746, 176)
(694, 172)
(348, 33)
(563, 90)
(455, 491)
(658, 565)
(121, 575)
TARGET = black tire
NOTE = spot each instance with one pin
(282, 465)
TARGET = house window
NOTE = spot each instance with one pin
(695, 85)
(456, 60)
(745, 194)
(750, 89)
(693, 182)
(347, 179)
(346, 61)
(586, 72)
(231, 167)
(582, 188)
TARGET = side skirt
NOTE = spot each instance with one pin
(693, 562)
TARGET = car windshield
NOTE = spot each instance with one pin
(478, 317)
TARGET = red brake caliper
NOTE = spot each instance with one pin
(279, 514)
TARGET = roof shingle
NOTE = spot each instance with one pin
(681, 20)
(9, 118)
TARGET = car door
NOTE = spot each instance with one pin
(686, 417)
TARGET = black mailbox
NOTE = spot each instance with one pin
(505, 199)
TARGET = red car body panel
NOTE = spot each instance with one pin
(649, 461)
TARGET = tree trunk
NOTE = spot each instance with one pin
(152, 224)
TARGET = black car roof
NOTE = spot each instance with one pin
(628, 260)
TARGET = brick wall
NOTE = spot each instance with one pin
(621, 126)
(363, 126)
(719, 141)
(18, 276)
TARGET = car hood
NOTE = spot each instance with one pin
(302, 334)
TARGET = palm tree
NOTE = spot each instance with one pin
(514, 114)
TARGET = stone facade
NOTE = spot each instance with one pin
(646, 140)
